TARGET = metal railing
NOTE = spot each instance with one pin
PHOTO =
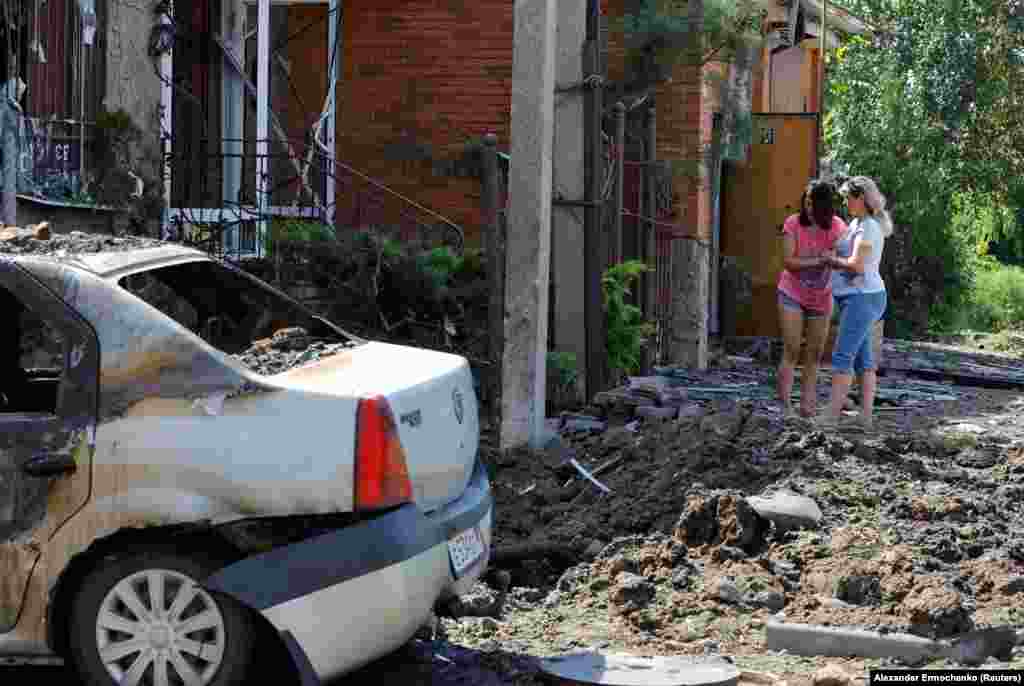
(300, 186)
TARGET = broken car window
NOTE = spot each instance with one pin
(31, 357)
(225, 308)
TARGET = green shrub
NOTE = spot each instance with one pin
(564, 368)
(296, 230)
(997, 301)
(626, 329)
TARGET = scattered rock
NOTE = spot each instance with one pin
(831, 675)
(632, 592)
(528, 595)
(721, 519)
(38, 232)
(978, 457)
(787, 510)
(481, 601)
(681, 579)
(772, 600)
(859, 590)
(677, 553)
(727, 591)
(620, 564)
(573, 578)
(937, 610)
(979, 647)
(728, 552)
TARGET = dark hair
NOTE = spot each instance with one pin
(822, 207)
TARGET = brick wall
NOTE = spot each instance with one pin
(685, 107)
(420, 77)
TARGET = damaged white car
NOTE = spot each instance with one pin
(167, 514)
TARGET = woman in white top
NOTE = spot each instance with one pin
(860, 295)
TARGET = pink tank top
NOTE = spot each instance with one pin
(812, 288)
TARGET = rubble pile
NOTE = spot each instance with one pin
(285, 350)
(717, 523)
(38, 240)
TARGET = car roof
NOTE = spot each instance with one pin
(113, 264)
(117, 264)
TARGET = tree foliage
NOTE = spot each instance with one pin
(664, 36)
(931, 105)
(691, 32)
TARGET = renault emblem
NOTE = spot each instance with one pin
(457, 404)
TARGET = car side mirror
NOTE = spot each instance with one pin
(47, 465)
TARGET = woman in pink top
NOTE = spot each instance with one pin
(805, 291)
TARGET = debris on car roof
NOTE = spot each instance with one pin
(285, 350)
(39, 240)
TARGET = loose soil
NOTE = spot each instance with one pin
(922, 531)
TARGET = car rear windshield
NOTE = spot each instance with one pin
(227, 308)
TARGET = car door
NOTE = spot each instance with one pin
(49, 386)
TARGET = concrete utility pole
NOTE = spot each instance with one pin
(567, 221)
(233, 115)
(529, 224)
(10, 113)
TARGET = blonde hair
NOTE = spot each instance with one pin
(874, 201)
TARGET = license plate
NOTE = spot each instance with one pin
(465, 549)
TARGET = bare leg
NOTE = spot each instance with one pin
(792, 324)
(840, 389)
(869, 384)
(817, 332)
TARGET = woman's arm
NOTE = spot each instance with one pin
(793, 263)
(855, 263)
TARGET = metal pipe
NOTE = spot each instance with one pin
(262, 119)
(821, 83)
(620, 145)
(594, 251)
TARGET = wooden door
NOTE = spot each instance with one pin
(757, 196)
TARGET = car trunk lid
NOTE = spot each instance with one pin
(433, 401)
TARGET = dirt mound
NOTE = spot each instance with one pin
(717, 522)
(543, 500)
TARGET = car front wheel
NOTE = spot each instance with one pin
(143, 620)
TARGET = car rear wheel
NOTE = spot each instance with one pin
(143, 620)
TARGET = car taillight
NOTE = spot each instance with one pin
(381, 474)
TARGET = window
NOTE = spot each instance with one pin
(225, 308)
(32, 358)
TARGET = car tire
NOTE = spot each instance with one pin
(116, 637)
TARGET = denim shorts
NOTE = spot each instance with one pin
(791, 304)
(858, 313)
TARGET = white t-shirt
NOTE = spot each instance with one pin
(845, 282)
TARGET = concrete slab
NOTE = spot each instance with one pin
(631, 670)
(811, 639)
